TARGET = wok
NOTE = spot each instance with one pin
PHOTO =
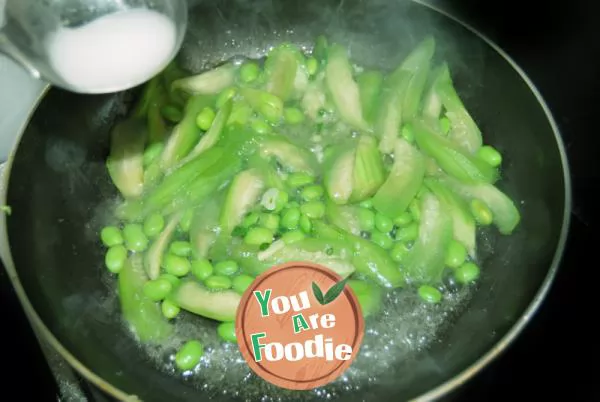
(59, 191)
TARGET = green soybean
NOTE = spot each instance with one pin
(481, 212)
(171, 278)
(445, 125)
(115, 257)
(218, 282)
(223, 97)
(154, 224)
(249, 72)
(250, 219)
(176, 265)
(368, 203)
(241, 282)
(258, 235)
(366, 219)
(408, 133)
(403, 219)
(152, 152)
(260, 126)
(189, 355)
(186, 220)
(305, 224)
(181, 248)
(415, 210)
(312, 65)
(383, 223)
(313, 209)
(430, 294)
(169, 309)
(227, 267)
(290, 218)
(171, 113)
(312, 193)
(111, 236)
(134, 236)
(157, 289)
(269, 221)
(382, 240)
(202, 268)
(490, 155)
(226, 331)
(399, 252)
(293, 236)
(274, 199)
(299, 179)
(205, 118)
(456, 254)
(468, 272)
(293, 115)
(408, 233)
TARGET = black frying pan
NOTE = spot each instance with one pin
(60, 192)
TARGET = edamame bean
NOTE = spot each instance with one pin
(249, 72)
(240, 114)
(227, 267)
(134, 236)
(415, 210)
(368, 203)
(305, 224)
(152, 152)
(456, 254)
(269, 221)
(171, 113)
(111, 236)
(260, 126)
(171, 278)
(408, 233)
(250, 219)
(445, 125)
(407, 133)
(383, 223)
(202, 268)
(115, 258)
(312, 65)
(481, 212)
(366, 219)
(224, 97)
(241, 282)
(293, 204)
(403, 219)
(258, 235)
(176, 265)
(382, 240)
(218, 282)
(274, 199)
(299, 179)
(399, 252)
(226, 331)
(430, 294)
(292, 237)
(205, 118)
(181, 248)
(154, 224)
(157, 289)
(169, 309)
(290, 218)
(186, 220)
(490, 155)
(189, 355)
(468, 272)
(312, 193)
(313, 209)
(293, 115)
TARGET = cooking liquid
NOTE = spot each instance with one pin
(113, 52)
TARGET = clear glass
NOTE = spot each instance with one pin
(70, 43)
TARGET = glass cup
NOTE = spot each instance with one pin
(92, 46)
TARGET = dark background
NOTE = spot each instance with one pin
(558, 47)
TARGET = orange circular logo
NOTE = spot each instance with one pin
(299, 326)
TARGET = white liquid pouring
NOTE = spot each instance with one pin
(113, 52)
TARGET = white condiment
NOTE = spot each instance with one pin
(113, 52)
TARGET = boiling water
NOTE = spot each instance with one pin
(115, 51)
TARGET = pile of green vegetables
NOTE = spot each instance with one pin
(382, 177)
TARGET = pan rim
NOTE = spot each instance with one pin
(435, 393)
